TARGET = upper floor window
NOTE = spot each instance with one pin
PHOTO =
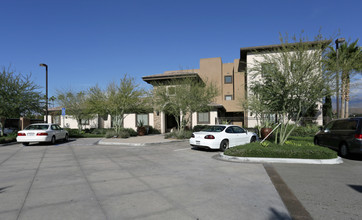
(228, 79)
(267, 69)
(228, 97)
(171, 90)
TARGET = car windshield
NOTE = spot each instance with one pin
(37, 127)
(214, 128)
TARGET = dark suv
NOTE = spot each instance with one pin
(343, 135)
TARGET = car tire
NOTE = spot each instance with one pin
(26, 143)
(52, 142)
(224, 145)
(66, 139)
(316, 141)
(343, 150)
(253, 139)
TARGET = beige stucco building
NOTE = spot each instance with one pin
(231, 79)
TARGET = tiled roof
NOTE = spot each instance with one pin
(169, 75)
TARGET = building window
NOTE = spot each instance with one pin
(268, 69)
(228, 97)
(228, 79)
(143, 118)
(84, 121)
(203, 118)
(171, 90)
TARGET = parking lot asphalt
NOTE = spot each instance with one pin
(85, 180)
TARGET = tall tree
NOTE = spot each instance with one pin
(289, 80)
(117, 100)
(349, 63)
(75, 104)
(19, 96)
(183, 97)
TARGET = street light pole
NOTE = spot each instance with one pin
(46, 92)
(338, 41)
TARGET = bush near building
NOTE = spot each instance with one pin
(295, 147)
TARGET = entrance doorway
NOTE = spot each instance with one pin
(171, 122)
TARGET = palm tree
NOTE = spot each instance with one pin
(52, 99)
(349, 63)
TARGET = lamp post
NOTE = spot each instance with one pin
(46, 93)
(338, 41)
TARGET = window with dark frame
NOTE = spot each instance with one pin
(171, 90)
(267, 69)
(143, 118)
(228, 79)
(203, 117)
(228, 97)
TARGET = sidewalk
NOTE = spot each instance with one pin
(139, 140)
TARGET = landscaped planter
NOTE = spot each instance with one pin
(265, 131)
(141, 131)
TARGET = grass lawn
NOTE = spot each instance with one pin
(295, 147)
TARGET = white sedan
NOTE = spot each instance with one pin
(42, 132)
(222, 137)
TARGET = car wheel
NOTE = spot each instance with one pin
(253, 139)
(224, 145)
(66, 138)
(53, 140)
(316, 141)
(343, 150)
(25, 143)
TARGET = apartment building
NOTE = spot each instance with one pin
(231, 79)
(230, 82)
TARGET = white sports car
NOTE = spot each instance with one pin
(222, 137)
(42, 132)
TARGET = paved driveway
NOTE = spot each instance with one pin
(327, 191)
(81, 180)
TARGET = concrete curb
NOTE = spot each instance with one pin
(337, 160)
(101, 142)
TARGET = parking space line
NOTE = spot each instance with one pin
(291, 202)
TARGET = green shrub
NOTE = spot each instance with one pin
(74, 132)
(124, 134)
(111, 133)
(305, 131)
(152, 130)
(8, 138)
(130, 131)
(293, 148)
(179, 134)
(100, 130)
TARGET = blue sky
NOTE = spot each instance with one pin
(89, 42)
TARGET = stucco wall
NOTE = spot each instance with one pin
(213, 116)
